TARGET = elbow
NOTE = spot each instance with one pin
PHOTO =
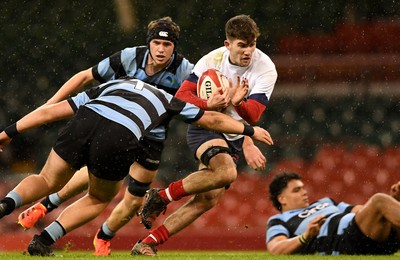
(272, 250)
(278, 250)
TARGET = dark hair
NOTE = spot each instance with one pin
(241, 27)
(278, 184)
(164, 29)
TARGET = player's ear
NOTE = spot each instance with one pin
(281, 199)
(227, 44)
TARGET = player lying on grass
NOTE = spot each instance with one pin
(330, 227)
(105, 135)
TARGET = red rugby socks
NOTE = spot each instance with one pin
(174, 191)
(157, 236)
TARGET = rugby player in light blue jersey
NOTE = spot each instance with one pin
(105, 134)
(157, 63)
(328, 227)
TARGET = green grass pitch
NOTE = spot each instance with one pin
(188, 255)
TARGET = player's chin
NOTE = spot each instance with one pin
(245, 62)
(161, 60)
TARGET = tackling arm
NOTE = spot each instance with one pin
(222, 123)
(36, 118)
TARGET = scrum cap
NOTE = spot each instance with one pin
(163, 31)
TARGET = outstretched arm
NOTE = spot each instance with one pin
(222, 123)
(38, 117)
(73, 85)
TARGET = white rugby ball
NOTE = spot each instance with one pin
(211, 81)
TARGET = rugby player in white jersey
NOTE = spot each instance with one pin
(253, 76)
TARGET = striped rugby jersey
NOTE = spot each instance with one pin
(131, 62)
(293, 223)
(136, 105)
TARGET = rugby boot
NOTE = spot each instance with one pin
(141, 248)
(153, 207)
(3, 209)
(28, 218)
(37, 247)
(101, 247)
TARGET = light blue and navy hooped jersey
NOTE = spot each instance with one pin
(136, 105)
(131, 62)
(295, 222)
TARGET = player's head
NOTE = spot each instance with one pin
(241, 36)
(163, 29)
(286, 191)
(241, 27)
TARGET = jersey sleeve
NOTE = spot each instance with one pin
(184, 70)
(115, 66)
(275, 228)
(260, 94)
(251, 110)
(185, 111)
(84, 97)
(188, 93)
(103, 71)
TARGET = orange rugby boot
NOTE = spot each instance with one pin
(101, 247)
(28, 218)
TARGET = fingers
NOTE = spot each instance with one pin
(268, 137)
(258, 164)
(319, 220)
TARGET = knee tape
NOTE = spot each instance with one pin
(211, 152)
(137, 188)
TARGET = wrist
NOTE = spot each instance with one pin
(248, 130)
(238, 104)
(11, 130)
(303, 239)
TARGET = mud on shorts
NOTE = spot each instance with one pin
(196, 136)
(107, 148)
(356, 243)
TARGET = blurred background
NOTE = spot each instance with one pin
(334, 113)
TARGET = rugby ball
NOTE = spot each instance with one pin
(211, 81)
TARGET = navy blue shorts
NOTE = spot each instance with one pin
(107, 148)
(356, 243)
(150, 155)
(196, 136)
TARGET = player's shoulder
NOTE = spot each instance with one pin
(216, 55)
(281, 217)
(181, 60)
(133, 50)
(262, 58)
(212, 60)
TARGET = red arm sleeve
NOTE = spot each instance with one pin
(188, 93)
(251, 110)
